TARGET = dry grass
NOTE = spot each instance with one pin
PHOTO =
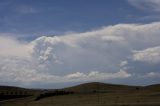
(149, 96)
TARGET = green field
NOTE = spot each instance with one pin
(97, 94)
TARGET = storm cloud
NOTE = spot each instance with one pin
(109, 54)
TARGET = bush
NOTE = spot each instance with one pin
(52, 93)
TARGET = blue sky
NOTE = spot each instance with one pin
(28, 19)
(57, 43)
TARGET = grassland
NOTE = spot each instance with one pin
(97, 94)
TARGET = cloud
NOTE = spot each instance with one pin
(24, 9)
(96, 75)
(152, 74)
(150, 55)
(76, 75)
(12, 47)
(111, 51)
(151, 5)
(113, 38)
(26, 72)
(123, 63)
(96, 50)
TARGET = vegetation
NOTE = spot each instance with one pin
(52, 93)
(11, 92)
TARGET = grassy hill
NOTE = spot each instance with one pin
(97, 94)
(12, 92)
(101, 87)
(155, 87)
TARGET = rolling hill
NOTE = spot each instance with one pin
(12, 92)
(101, 87)
(91, 94)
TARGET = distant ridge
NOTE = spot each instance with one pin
(98, 86)
(13, 91)
(10, 88)
(91, 86)
(154, 87)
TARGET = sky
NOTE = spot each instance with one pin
(58, 43)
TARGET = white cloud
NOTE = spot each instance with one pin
(96, 75)
(76, 75)
(153, 74)
(112, 38)
(150, 55)
(13, 47)
(105, 75)
(152, 5)
(56, 59)
(123, 63)
(26, 72)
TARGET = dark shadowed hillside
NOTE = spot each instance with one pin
(12, 92)
(153, 87)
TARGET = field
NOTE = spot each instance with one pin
(96, 94)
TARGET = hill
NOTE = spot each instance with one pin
(11, 92)
(153, 87)
(11, 88)
(101, 87)
(95, 94)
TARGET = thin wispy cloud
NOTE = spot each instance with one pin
(24, 9)
(148, 5)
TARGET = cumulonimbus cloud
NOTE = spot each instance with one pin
(74, 57)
